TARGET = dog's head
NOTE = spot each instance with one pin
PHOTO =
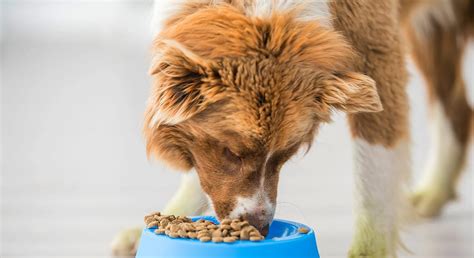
(236, 96)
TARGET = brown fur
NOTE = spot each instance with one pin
(245, 88)
(372, 28)
(438, 51)
(235, 96)
(439, 54)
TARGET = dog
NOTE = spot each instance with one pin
(241, 85)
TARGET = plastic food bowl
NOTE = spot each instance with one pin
(283, 240)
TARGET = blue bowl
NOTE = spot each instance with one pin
(283, 240)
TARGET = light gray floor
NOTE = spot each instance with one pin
(74, 170)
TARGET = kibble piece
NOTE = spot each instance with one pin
(217, 239)
(153, 224)
(188, 226)
(244, 234)
(226, 222)
(192, 235)
(164, 223)
(160, 231)
(182, 233)
(203, 231)
(153, 214)
(235, 233)
(229, 239)
(255, 238)
(199, 228)
(225, 232)
(217, 233)
(303, 230)
(203, 234)
(173, 235)
(212, 226)
(225, 226)
(205, 239)
(244, 224)
(254, 234)
(235, 226)
(174, 228)
(149, 220)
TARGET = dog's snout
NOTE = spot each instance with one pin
(264, 230)
(260, 222)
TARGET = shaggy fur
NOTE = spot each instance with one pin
(231, 90)
(240, 85)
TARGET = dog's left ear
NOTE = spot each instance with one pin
(184, 84)
(350, 92)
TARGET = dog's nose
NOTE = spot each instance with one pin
(259, 222)
(264, 230)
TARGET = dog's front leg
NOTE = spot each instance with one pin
(189, 200)
(379, 177)
(380, 139)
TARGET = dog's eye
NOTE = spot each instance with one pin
(231, 156)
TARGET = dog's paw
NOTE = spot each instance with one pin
(370, 242)
(429, 202)
(126, 242)
(368, 250)
(363, 255)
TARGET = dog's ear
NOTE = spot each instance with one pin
(349, 91)
(182, 84)
(169, 144)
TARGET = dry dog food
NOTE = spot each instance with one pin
(228, 231)
(303, 230)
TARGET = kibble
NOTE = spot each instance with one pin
(205, 239)
(230, 239)
(235, 226)
(225, 222)
(303, 230)
(228, 231)
(256, 238)
(192, 235)
(173, 235)
(217, 239)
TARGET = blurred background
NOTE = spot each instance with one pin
(73, 167)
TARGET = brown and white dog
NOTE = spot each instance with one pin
(241, 85)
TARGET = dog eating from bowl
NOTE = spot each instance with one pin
(241, 85)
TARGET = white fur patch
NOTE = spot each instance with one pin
(251, 205)
(259, 201)
(161, 117)
(381, 177)
(445, 155)
(308, 9)
(317, 10)
(162, 10)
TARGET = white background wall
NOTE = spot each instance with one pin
(74, 170)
